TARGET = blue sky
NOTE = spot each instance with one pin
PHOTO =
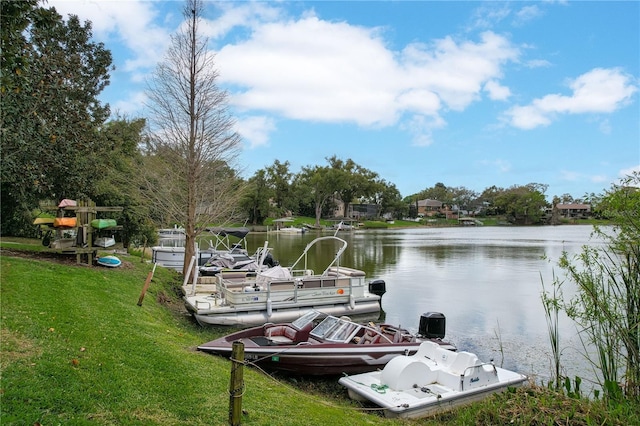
(469, 94)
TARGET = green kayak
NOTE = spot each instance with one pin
(103, 223)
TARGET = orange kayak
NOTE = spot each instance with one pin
(64, 222)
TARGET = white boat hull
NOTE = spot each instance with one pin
(173, 257)
(426, 383)
(230, 316)
(105, 242)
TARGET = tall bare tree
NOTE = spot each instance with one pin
(191, 178)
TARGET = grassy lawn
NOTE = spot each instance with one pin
(77, 349)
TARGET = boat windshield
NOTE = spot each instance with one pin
(334, 329)
(301, 322)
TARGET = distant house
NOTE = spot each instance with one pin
(363, 211)
(574, 210)
(429, 207)
(355, 210)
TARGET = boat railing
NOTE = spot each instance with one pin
(287, 290)
(336, 259)
(478, 375)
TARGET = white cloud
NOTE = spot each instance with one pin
(597, 91)
(570, 175)
(311, 69)
(629, 171)
(605, 127)
(526, 14)
(496, 91)
(235, 15)
(255, 130)
(527, 117)
(489, 14)
(132, 25)
(421, 128)
(130, 106)
(538, 63)
(499, 164)
(457, 71)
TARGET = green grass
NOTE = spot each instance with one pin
(77, 349)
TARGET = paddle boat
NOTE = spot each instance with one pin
(430, 381)
(282, 294)
(320, 344)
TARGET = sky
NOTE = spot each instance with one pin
(466, 93)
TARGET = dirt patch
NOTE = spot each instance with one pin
(15, 348)
(65, 259)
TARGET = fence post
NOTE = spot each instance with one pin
(236, 385)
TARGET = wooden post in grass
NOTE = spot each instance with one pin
(236, 384)
(146, 284)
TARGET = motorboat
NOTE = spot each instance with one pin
(282, 294)
(431, 380)
(290, 229)
(320, 344)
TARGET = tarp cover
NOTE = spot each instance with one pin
(67, 203)
(271, 274)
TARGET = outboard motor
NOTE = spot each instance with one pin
(270, 261)
(378, 287)
(432, 325)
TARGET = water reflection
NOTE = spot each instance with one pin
(486, 280)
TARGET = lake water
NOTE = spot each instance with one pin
(487, 281)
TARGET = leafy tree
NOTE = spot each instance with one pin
(15, 17)
(438, 192)
(119, 184)
(488, 197)
(354, 181)
(321, 184)
(566, 199)
(255, 200)
(462, 197)
(52, 74)
(193, 140)
(522, 204)
(279, 178)
(388, 197)
(555, 213)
